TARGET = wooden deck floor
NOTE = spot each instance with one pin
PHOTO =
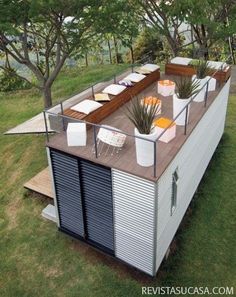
(41, 183)
(126, 160)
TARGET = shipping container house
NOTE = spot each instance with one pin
(126, 210)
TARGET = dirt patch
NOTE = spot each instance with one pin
(53, 272)
(12, 210)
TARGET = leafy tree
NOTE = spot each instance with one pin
(9, 81)
(158, 14)
(148, 43)
(42, 34)
(121, 25)
(211, 20)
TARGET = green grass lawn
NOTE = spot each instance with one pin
(37, 260)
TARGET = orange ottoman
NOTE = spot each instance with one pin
(162, 124)
(149, 101)
(166, 87)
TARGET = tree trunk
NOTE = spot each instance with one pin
(47, 95)
(109, 47)
(206, 54)
(86, 59)
(116, 50)
(132, 54)
(204, 50)
(193, 44)
(7, 62)
(102, 57)
(173, 46)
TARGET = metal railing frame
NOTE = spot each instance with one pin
(96, 126)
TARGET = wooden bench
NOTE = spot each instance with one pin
(188, 70)
(116, 101)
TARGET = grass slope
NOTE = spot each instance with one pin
(37, 260)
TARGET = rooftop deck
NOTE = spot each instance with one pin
(125, 160)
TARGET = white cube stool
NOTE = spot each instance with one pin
(162, 124)
(166, 87)
(76, 134)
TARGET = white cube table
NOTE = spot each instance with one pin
(166, 87)
(162, 124)
(76, 134)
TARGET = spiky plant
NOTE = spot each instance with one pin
(142, 115)
(202, 69)
(186, 88)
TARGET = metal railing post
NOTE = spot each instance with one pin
(63, 120)
(186, 119)
(95, 141)
(46, 125)
(92, 91)
(206, 94)
(114, 79)
(155, 159)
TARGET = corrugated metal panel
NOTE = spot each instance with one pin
(53, 186)
(192, 161)
(68, 192)
(134, 220)
(97, 195)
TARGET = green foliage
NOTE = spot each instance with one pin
(42, 34)
(10, 81)
(186, 88)
(211, 20)
(148, 42)
(118, 58)
(142, 115)
(202, 69)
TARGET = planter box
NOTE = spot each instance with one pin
(200, 96)
(145, 149)
(188, 70)
(178, 105)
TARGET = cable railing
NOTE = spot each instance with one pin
(95, 127)
(113, 76)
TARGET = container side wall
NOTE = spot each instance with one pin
(191, 163)
(134, 221)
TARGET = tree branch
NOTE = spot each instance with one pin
(21, 77)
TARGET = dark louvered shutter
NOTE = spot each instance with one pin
(68, 192)
(97, 197)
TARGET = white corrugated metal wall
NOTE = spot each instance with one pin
(134, 220)
(192, 161)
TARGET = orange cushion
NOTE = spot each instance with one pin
(166, 82)
(164, 123)
(151, 100)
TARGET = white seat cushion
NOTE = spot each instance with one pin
(142, 70)
(181, 61)
(150, 67)
(217, 65)
(135, 77)
(114, 89)
(86, 106)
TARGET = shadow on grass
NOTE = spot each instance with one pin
(124, 271)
